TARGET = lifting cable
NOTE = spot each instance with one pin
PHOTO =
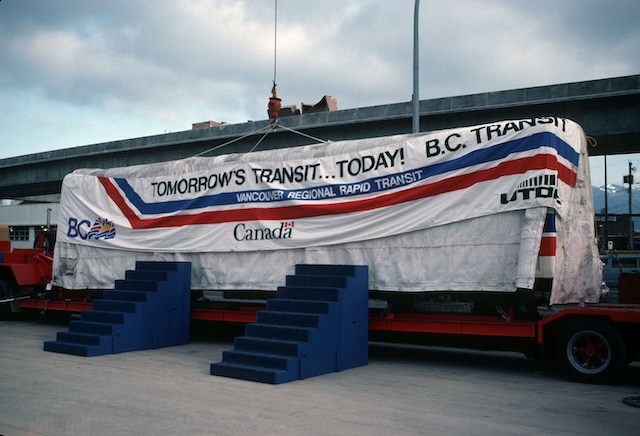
(322, 141)
(275, 45)
(259, 141)
(273, 107)
(268, 129)
(275, 103)
(239, 138)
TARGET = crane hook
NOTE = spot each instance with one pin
(273, 109)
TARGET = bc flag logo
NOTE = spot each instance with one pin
(102, 228)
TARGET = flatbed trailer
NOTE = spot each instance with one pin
(480, 236)
(592, 344)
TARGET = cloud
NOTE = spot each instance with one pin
(162, 65)
(503, 45)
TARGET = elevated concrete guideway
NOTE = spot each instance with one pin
(608, 110)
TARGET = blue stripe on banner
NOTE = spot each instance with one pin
(550, 223)
(375, 184)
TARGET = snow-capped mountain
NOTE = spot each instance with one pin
(618, 199)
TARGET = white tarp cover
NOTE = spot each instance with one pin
(459, 209)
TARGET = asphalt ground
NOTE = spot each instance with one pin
(404, 390)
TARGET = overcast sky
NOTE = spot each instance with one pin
(83, 72)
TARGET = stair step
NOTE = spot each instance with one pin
(263, 345)
(317, 293)
(83, 338)
(317, 280)
(99, 328)
(277, 332)
(293, 305)
(153, 265)
(153, 275)
(115, 306)
(72, 348)
(331, 270)
(102, 316)
(120, 295)
(262, 360)
(310, 320)
(136, 285)
(251, 373)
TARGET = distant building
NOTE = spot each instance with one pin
(617, 233)
(26, 221)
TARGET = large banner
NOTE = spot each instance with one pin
(325, 194)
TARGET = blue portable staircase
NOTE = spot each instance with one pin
(318, 323)
(150, 308)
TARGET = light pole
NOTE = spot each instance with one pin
(416, 90)
(629, 179)
(606, 207)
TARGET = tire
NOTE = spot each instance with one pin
(46, 242)
(591, 351)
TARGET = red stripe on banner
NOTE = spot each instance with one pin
(115, 196)
(547, 246)
(451, 184)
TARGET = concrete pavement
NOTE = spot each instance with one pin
(402, 391)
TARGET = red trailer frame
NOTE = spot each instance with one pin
(593, 343)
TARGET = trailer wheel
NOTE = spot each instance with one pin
(5, 290)
(591, 351)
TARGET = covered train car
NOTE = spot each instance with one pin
(490, 209)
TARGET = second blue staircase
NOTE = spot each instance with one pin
(318, 323)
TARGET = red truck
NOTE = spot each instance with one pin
(480, 236)
(24, 272)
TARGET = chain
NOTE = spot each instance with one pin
(502, 313)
